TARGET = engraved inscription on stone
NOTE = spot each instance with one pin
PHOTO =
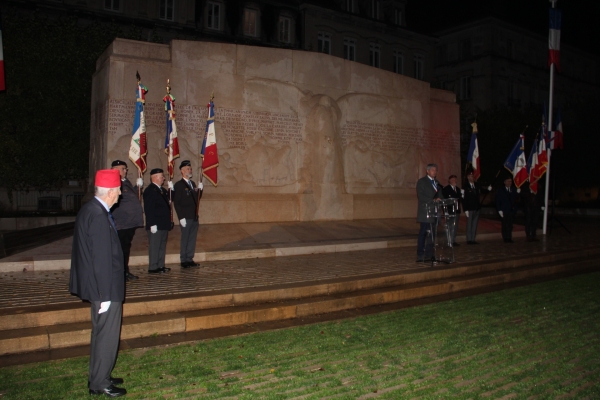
(239, 126)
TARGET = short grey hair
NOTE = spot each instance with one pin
(102, 191)
(429, 166)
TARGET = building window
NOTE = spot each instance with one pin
(465, 49)
(350, 6)
(250, 18)
(112, 5)
(166, 9)
(324, 43)
(375, 9)
(397, 16)
(285, 30)
(418, 66)
(214, 15)
(465, 88)
(350, 49)
(374, 55)
(398, 62)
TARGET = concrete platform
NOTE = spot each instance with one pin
(259, 240)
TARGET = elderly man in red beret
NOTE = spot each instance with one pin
(97, 276)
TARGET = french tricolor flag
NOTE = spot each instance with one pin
(473, 155)
(2, 82)
(516, 162)
(554, 38)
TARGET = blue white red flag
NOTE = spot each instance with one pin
(473, 155)
(2, 81)
(533, 167)
(556, 136)
(516, 163)
(171, 141)
(543, 140)
(138, 147)
(209, 154)
(554, 38)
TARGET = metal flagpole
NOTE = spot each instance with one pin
(549, 128)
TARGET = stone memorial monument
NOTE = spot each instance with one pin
(301, 136)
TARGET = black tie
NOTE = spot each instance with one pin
(112, 220)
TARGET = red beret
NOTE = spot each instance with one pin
(108, 178)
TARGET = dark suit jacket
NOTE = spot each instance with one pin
(97, 272)
(128, 211)
(505, 201)
(157, 208)
(472, 199)
(185, 200)
(455, 193)
(425, 194)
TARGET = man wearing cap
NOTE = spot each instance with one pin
(97, 276)
(506, 205)
(158, 221)
(429, 190)
(127, 213)
(185, 198)
(454, 192)
(471, 205)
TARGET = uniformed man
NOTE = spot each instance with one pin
(127, 213)
(185, 198)
(157, 208)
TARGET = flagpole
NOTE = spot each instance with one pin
(549, 152)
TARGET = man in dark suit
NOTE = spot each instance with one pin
(185, 198)
(428, 190)
(506, 205)
(157, 208)
(453, 192)
(532, 205)
(471, 206)
(97, 275)
(128, 214)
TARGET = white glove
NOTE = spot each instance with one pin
(490, 188)
(467, 214)
(171, 186)
(182, 222)
(140, 182)
(201, 186)
(501, 214)
(518, 190)
(462, 191)
(104, 307)
(153, 229)
(543, 208)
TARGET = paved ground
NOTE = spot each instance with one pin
(21, 289)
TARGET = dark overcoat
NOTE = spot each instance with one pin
(425, 194)
(157, 208)
(97, 271)
(185, 199)
(128, 211)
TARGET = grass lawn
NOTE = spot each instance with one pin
(540, 341)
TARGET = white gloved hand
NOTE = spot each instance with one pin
(462, 191)
(153, 229)
(182, 222)
(171, 186)
(518, 190)
(201, 186)
(139, 182)
(104, 307)
(501, 214)
(467, 214)
(490, 188)
(543, 208)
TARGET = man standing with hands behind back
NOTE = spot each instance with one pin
(472, 205)
(185, 198)
(506, 204)
(97, 275)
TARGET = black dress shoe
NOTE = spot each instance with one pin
(420, 259)
(192, 264)
(155, 271)
(455, 244)
(184, 264)
(165, 269)
(111, 391)
(116, 381)
(474, 242)
(130, 277)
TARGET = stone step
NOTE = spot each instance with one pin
(39, 316)
(273, 309)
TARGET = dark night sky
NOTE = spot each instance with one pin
(581, 27)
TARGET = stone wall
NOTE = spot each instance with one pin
(301, 135)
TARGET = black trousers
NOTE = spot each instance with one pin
(507, 226)
(126, 237)
(104, 345)
(532, 216)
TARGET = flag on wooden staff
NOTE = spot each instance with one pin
(171, 142)
(473, 155)
(516, 163)
(138, 149)
(210, 157)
